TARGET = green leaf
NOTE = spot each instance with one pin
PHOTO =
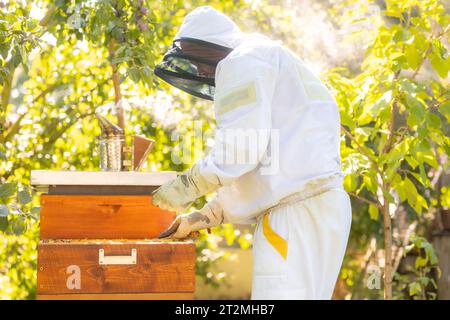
(416, 110)
(434, 259)
(421, 42)
(422, 131)
(400, 35)
(3, 223)
(347, 120)
(401, 191)
(24, 197)
(2, 153)
(370, 183)
(412, 56)
(134, 74)
(4, 51)
(373, 211)
(420, 203)
(430, 254)
(392, 13)
(412, 162)
(415, 105)
(424, 281)
(350, 182)
(7, 189)
(439, 65)
(414, 288)
(19, 226)
(423, 146)
(23, 54)
(433, 120)
(410, 191)
(421, 262)
(431, 160)
(381, 104)
(4, 210)
(413, 120)
(388, 196)
(432, 295)
(445, 110)
(423, 176)
(409, 247)
(35, 211)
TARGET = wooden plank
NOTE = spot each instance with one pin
(100, 190)
(119, 296)
(108, 217)
(161, 267)
(121, 178)
(141, 148)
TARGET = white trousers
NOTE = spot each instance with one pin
(298, 249)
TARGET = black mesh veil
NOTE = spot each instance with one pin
(183, 68)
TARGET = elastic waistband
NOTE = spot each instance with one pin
(311, 189)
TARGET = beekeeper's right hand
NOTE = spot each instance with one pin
(178, 194)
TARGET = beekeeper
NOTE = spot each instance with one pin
(276, 158)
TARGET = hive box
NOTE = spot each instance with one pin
(98, 238)
(116, 267)
(102, 217)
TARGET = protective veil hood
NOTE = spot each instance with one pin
(215, 35)
(207, 24)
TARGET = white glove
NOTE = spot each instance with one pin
(178, 194)
(209, 216)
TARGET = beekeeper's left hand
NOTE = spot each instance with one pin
(210, 215)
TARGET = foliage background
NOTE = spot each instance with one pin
(387, 62)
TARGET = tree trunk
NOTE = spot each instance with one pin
(6, 91)
(387, 251)
(386, 215)
(4, 101)
(116, 84)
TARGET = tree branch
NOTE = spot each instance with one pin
(428, 51)
(377, 204)
(14, 129)
(60, 132)
(48, 15)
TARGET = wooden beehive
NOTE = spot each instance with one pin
(98, 238)
(102, 217)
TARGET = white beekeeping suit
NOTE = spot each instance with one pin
(276, 160)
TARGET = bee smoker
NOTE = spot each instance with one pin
(115, 154)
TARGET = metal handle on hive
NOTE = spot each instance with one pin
(107, 260)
